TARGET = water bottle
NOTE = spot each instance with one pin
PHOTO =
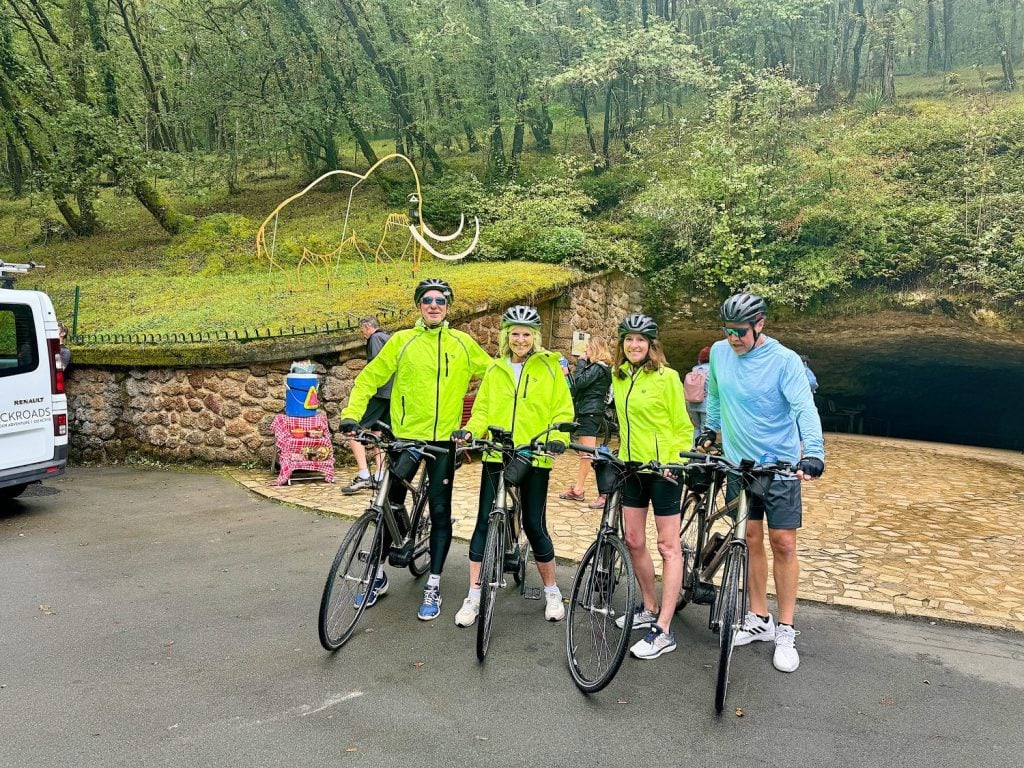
(768, 458)
(564, 363)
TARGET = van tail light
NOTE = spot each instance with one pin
(60, 425)
(56, 367)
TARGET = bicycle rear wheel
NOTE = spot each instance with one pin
(729, 618)
(419, 561)
(349, 580)
(602, 590)
(491, 574)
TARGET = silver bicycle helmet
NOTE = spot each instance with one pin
(637, 323)
(520, 314)
(433, 284)
(743, 308)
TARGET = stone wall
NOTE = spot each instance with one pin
(223, 414)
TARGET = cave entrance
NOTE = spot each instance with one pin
(899, 375)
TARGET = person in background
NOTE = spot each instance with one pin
(811, 378)
(589, 384)
(432, 365)
(378, 409)
(65, 351)
(697, 409)
(760, 403)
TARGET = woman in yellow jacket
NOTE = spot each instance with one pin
(653, 426)
(524, 391)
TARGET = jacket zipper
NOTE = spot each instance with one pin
(437, 386)
(446, 365)
(625, 408)
(403, 410)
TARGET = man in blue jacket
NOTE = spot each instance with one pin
(760, 402)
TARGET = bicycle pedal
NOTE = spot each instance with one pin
(533, 593)
(399, 556)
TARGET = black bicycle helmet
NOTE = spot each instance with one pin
(637, 323)
(743, 308)
(520, 314)
(433, 284)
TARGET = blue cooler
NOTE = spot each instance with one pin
(300, 397)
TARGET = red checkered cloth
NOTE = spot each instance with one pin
(290, 447)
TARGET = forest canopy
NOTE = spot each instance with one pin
(795, 146)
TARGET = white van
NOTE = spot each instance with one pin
(33, 406)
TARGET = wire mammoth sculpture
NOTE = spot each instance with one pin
(403, 235)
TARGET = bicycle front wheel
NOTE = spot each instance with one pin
(349, 581)
(603, 590)
(729, 617)
(691, 537)
(419, 561)
(491, 574)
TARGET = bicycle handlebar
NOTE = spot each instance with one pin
(710, 460)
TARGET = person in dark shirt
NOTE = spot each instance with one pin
(378, 409)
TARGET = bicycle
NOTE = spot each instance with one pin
(706, 553)
(355, 565)
(604, 587)
(507, 549)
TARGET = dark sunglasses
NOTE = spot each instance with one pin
(739, 333)
(438, 300)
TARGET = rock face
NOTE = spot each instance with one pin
(223, 414)
(915, 374)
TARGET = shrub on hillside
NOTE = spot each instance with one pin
(215, 243)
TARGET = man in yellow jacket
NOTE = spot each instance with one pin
(432, 365)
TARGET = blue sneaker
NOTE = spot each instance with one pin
(379, 587)
(431, 607)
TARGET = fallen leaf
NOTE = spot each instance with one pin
(739, 712)
(168, 644)
(351, 749)
(623, 701)
(368, 631)
(482, 738)
(926, 682)
(886, 701)
(417, 663)
(47, 611)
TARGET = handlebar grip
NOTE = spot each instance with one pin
(583, 448)
(694, 455)
(436, 450)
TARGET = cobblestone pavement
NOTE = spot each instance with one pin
(894, 526)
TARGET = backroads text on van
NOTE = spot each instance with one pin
(20, 418)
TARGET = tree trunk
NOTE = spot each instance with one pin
(15, 168)
(858, 43)
(390, 81)
(587, 124)
(298, 18)
(933, 38)
(888, 57)
(606, 138)
(1005, 55)
(947, 35)
(166, 215)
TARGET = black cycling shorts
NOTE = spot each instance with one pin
(648, 488)
(589, 424)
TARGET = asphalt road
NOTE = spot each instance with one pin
(163, 618)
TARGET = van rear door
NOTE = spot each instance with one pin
(26, 394)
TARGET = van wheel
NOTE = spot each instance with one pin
(12, 491)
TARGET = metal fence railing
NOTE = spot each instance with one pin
(351, 323)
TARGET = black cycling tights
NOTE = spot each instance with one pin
(533, 493)
(441, 471)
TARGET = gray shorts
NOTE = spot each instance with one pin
(378, 409)
(781, 504)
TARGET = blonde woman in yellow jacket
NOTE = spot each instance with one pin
(524, 391)
(653, 426)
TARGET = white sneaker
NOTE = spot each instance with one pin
(755, 629)
(786, 658)
(642, 619)
(554, 610)
(468, 612)
(655, 643)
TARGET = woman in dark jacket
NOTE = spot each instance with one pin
(589, 383)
